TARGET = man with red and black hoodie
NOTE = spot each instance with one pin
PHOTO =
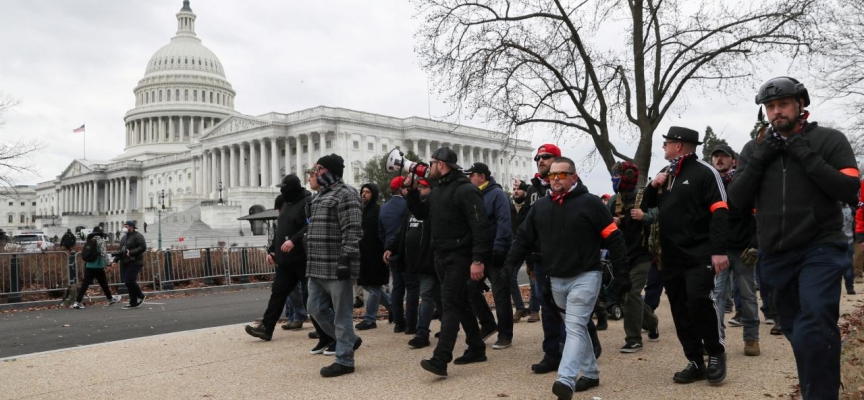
(692, 217)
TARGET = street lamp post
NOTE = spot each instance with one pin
(220, 188)
(162, 204)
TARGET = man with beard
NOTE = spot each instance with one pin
(460, 243)
(625, 176)
(500, 236)
(573, 225)
(413, 242)
(518, 210)
(692, 217)
(742, 246)
(131, 258)
(373, 271)
(797, 174)
(333, 258)
(288, 253)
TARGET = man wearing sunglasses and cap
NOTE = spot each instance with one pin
(131, 258)
(460, 243)
(693, 216)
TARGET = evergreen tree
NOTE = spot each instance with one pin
(709, 143)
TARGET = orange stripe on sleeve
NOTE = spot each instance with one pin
(719, 204)
(608, 231)
(850, 172)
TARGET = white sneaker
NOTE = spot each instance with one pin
(77, 305)
(114, 299)
(769, 321)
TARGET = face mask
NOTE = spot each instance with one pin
(615, 182)
(286, 192)
(326, 179)
(518, 200)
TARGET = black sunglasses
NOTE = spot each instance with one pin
(545, 156)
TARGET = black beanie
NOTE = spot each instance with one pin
(333, 163)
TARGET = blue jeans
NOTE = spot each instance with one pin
(430, 295)
(749, 308)
(376, 297)
(405, 297)
(336, 321)
(807, 296)
(516, 294)
(766, 292)
(579, 293)
(553, 328)
(294, 308)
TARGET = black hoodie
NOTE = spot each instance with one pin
(291, 225)
(414, 244)
(373, 270)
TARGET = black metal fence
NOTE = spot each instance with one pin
(45, 275)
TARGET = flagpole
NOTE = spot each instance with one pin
(85, 139)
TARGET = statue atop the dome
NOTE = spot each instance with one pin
(186, 6)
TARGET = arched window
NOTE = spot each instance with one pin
(146, 98)
(177, 94)
(211, 97)
(160, 95)
(219, 98)
(168, 93)
(186, 95)
(194, 95)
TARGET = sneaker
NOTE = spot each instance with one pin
(114, 299)
(716, 371)
(776, 330)
(691, 373)
(419, 342)
(534, 317)
(736, 320)
(585, 383)
(260, 332)
(320, 347)
(654, 335)
(469, 357)
(358, 302)
(313, 335)
(562, 390)
(77, 305)
(850, 291)
(335, 370)
(545, 365)
(141, 300)
(519, 314)
(410, 331)
(131, 306)
(358, 343)
(751, 348)
(365, 325)
(331, 349)
(502, 343)
(485, 333)
(631, 347)
(434, 366)
(293, 326)
(769, 321)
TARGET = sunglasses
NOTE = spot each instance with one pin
(543, 156)
(558, 175)
(670, 142)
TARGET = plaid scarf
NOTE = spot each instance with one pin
(675, 164)
(727, 178)
(559, 197)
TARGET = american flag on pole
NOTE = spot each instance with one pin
(78, 130)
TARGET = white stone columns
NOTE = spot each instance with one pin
(94, 205)
(233, 173)
(287, 157)
(243, 162)
(127, 188)
(195, 180)
(262, 146)
(299, 161)
(253, 165)
(105, 196)
(223, 166)
(274, 162)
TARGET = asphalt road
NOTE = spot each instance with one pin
(27, 332)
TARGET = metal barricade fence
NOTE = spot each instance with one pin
(37, 274)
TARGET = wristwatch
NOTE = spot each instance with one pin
(478, 262)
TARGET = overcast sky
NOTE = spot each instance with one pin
(67, 62)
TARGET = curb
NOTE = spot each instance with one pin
(191, 291)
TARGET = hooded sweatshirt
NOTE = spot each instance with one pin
(291, 224)
(498, 214)
(373, 271)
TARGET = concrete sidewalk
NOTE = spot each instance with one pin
(226, 363)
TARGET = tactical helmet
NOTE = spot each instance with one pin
(781, 87)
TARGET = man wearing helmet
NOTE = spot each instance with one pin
(797, 174)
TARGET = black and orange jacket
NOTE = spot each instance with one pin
(572, 233)
(798, 198)
(693, 215)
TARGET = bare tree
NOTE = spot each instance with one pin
(14, 156)
(840, 64)
(558, 62)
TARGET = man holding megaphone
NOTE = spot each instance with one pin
(460, 234)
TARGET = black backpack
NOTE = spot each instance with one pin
(90, 253)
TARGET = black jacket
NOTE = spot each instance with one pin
(572, 234)
(458, 216)
(413, 242)
(693, 215)
(373, 270)
(635, 232)
(136, 245)
(291, 224)
(742, 226)
(798, 194)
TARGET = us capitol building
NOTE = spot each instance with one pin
(185, 139)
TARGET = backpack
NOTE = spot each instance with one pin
(90, 253)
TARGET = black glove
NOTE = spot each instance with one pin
(506, 272)
(498, 258)
(343, 271)
(766, 151)
(623, 284)
(797, 146)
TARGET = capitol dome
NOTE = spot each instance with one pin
(183, 93)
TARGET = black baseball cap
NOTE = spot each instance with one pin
(726, 149)
(479, 168)
(447, 156)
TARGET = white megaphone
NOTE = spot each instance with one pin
(396, 162)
